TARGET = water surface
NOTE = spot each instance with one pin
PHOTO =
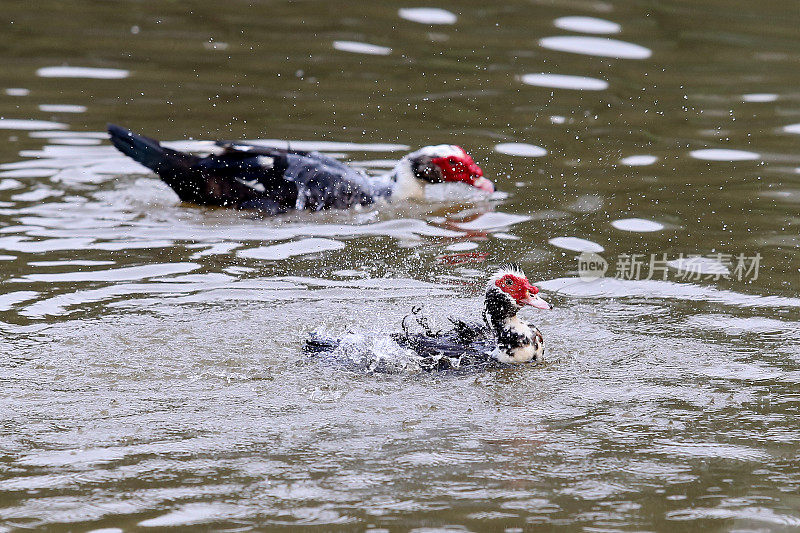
(153, 373)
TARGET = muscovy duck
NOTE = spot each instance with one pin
(502, 339)
(274, 180)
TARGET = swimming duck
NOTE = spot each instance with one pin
(502, 339)
(275, 180)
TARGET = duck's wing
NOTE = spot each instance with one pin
(246, 176)
(468, 332)
(445, 351)
(231, 178)
(234, 148)
(321, 181)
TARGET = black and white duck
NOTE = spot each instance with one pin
(275, 180)
(502, 339)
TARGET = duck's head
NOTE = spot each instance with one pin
(439, 164)
(508, 291)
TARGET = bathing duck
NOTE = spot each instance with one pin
(503, 338)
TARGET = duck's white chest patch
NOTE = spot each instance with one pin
(515, 325)
(523, 343)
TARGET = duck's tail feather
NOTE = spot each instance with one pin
(175, 168)
(144, 150)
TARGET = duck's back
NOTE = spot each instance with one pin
(274, 179)
(254, 177)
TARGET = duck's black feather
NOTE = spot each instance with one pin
(254, 177)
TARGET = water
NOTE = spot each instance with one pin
(153, 373)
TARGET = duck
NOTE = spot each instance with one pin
(275, 180)
(502, 338)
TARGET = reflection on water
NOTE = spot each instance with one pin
(428, 15)
(638, 160)
(722, 154)
(587, 25)
(563, 81)
(82, 72)
(596, 46)
(362, 48)
(637, 224)
(153, 371)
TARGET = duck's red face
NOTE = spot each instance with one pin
(521, 290)
(458, 165)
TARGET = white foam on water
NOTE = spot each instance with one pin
(564, 81)
(492, 220)
(428, 15)
(76, 141)
(361, 48)
(191, 514)
(30, 124)
(208, 277)
(37, 194)
(27, 173)
(10, 299)
(596, 46)
(115, 274)
(220, 248)
(290, 249)
(743, 515)
(63, 134)
(462, 246)
(70, 262)
(505, 236)
(77, 175)
(638, 160)
(576, 244)
(9, 184)
(792, 128)
(520, 149)
(759, 97)
(733, 325)
(723, 154)
(82, 72)
(17, 91)
(637, 224)
(369, 353)
(587, 25)
(62, 108)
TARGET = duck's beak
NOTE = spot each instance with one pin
(473, 175)
(483, 184)
(534, 300)
(477, 180)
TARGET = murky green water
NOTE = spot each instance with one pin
(152, 371)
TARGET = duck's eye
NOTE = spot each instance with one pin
(509, 282)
